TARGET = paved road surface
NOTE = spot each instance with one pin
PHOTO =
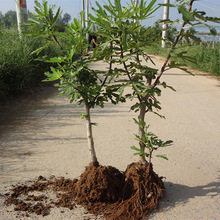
(43, 135)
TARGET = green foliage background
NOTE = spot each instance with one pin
(207, 58)
(19, 71)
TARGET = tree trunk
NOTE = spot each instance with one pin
(141, 116)
(89, 134)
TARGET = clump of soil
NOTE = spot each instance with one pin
(98, 187)
(99, 184)
(141, 192)
(102, 190)
(24, 201)
(65, 192)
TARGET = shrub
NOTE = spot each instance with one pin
(19, 71)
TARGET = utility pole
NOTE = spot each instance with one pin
(87, 11)
(83, 9)
(165, 17)
(87, 16)
(21, 9)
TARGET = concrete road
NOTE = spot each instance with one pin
(43, 135)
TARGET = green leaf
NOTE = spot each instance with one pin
(37, 51)
(58, 14)
(168, 5)
(118, 7)
(40, 13)
(150, 9)
(95, 124)
(140, 123)
(162, 156)
(187, 16)
(37, 4)
(56, 60)
(83, 115)
(166, 86)
(213, 31)
(32, 20)
(168, 143)
(55, 75)
(135, 148)
(45, 7)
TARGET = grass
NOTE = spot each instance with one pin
(206, 58)
(19, 71)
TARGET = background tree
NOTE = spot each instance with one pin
(1, 20)
(66, 18)
(62, 22)
(10, 19)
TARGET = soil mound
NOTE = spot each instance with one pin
(99, 184)
(102, 190)
(141, 192)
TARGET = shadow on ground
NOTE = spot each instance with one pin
(177, 194)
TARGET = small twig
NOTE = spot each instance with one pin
(125, 66)
(162, 70)
(110, 68)
(57, 42)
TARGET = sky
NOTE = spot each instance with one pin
(73, 7)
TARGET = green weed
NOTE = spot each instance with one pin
(19, 71)
(207, 58)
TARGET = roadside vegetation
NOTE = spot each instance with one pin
(19, 69)
(20, 72)
(205, 57)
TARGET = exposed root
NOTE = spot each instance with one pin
(102, 190)
(141, 192)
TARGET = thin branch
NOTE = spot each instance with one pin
(110, 68)
(57, 42)
(125, 66)
(173, 46)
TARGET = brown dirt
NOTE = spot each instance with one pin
(102, 190)
(141, 192)
(99, 184)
